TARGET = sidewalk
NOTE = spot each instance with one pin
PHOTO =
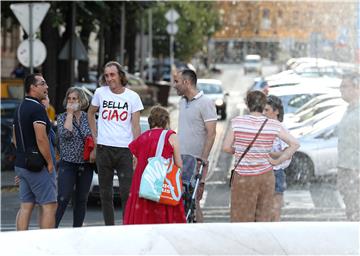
(7, 179)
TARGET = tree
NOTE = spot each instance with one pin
(89, 16)
(198, 21)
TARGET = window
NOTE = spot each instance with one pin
(266, 22)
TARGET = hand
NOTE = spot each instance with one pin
(134, 163)
(273, 161)
(92, 156)
(72, 107)
(205, 161)
(200, 191)
(17, 180)
(50, 167)
(69, 109)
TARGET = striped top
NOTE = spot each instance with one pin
(255, 162)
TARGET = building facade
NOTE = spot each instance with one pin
(278, 30)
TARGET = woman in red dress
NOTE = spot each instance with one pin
(140, 210)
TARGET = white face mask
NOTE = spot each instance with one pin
(74, 106)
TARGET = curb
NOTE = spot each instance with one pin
(9, 187)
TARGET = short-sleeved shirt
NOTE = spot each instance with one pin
(193, 115)
(349, 139)
(31, 111)
(280, 145)
(255, 161)
(115, 111)
(72, 142)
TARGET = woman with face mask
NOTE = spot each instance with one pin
(74, 173)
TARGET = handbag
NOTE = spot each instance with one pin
(89, 146)
(34, 160)
(161, 180)
(246, 150)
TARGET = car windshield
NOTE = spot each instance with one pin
(210, 88)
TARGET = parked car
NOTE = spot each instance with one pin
(8, 108)
(147, 94)
(294, 97)
(253, 63)
(94, 192)
(260, 84)
(214, 90)
(316, 100)
(290, 77)
(295, 62)
(317, 155)
(309, 115)
(301, 128)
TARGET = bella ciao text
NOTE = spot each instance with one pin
(114, 111)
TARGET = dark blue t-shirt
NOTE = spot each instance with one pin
(31, 111)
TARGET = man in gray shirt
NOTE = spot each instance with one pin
(349, 148)
(197, 125)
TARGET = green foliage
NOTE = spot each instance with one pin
(197, 22)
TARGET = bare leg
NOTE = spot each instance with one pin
(47, 216)
(23, 216)
(198, 212)
(39, 215)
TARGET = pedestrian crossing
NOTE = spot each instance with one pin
(298, 206)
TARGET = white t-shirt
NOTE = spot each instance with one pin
(278, 146)
(115, 110)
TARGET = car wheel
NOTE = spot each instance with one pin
(300, 171)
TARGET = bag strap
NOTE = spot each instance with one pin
(250, 145)
(160, 144)
(19, 123)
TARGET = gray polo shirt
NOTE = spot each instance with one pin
(349, 140)
(193, 115)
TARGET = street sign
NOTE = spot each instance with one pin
(172, 28)
(78, 52)
(22, 13)
(39, 53)
(172, 15)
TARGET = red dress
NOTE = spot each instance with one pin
(143, 211)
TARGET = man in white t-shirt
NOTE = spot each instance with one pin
(118, 124)
(197, 125)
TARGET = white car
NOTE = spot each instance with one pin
(253, 63)
(315, 101)
(317, 155)
(314, 114)
(294, 62)
(213, 89)
(94, 187)
(294, 97)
